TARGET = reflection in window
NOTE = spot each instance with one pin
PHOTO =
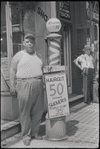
(3, 38)
(3, 45)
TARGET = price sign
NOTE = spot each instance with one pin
(5, 73)
(57, 94)
(4, 67)
(64, 10)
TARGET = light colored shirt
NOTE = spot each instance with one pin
(86, 61)
(29, 66)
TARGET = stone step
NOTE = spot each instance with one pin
(75, 99)
(10, 128)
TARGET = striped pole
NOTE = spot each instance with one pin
(56, 127)
(53, 25)
(54, 50)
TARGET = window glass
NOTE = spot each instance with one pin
(3, 31)
(17, 31)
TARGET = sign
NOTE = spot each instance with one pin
(4, 70)
(53, 68)
(96, 16)
(29, 22)
(57, 94)
(53, 25)
(64, 10)
(4, 67)
(94, 11)
(88, 40)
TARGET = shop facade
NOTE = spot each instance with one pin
(78, 28)
(17, 19)
(85, 30)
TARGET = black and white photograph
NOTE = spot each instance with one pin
(49, 74)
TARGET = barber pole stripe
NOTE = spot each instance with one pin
(54, 51)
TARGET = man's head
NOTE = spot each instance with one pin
(29, 43)
(87, 49)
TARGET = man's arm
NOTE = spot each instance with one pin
(13, 71)
(93, 60)
(42, 69)
(40, 57)
(76, 61)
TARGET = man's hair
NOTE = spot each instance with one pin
(87, 47)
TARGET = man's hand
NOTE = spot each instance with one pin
(13, 91)
(77, 64)
(13, 70)
(44, 86)
(81, 68)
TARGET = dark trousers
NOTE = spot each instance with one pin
(31, 105)
(88, 85)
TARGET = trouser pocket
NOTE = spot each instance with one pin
(18, 86)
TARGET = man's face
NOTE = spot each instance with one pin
(29, 44)
(87, 52)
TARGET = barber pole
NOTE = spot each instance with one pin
(53, 25)
(55, 123)
(54, 51)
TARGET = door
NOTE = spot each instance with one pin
(67, 55)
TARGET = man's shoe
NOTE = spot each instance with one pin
(37, 137)
(27, 141)
(18, 136)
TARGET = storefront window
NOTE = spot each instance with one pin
(3, 45)
(4, 54)
(17, 18)
(17, 30)
(95, 33)
(3, 31)
(18, 11)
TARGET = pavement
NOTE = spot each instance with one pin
(82, 131)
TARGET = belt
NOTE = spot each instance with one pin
(29, 78)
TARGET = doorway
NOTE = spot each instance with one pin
(67, 55)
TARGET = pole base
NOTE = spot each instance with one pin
(54, 139)
(56, 128)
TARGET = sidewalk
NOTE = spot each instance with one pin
(82, 125)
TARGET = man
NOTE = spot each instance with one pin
(26, 67)
(86, 63)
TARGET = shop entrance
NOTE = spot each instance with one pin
(67, 55)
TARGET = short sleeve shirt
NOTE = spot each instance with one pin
(86, 61)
